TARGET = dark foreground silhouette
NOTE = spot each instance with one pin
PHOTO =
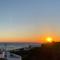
(2, 59)
(50, 51)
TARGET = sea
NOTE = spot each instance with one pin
(11, 46)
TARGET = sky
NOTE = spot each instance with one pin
(29, 20)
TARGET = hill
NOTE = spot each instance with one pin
(50, 51)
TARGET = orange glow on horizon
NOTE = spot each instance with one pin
(37, 39)
(49, 39)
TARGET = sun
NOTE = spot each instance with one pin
(49, 39)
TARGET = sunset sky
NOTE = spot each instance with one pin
(29, 20)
